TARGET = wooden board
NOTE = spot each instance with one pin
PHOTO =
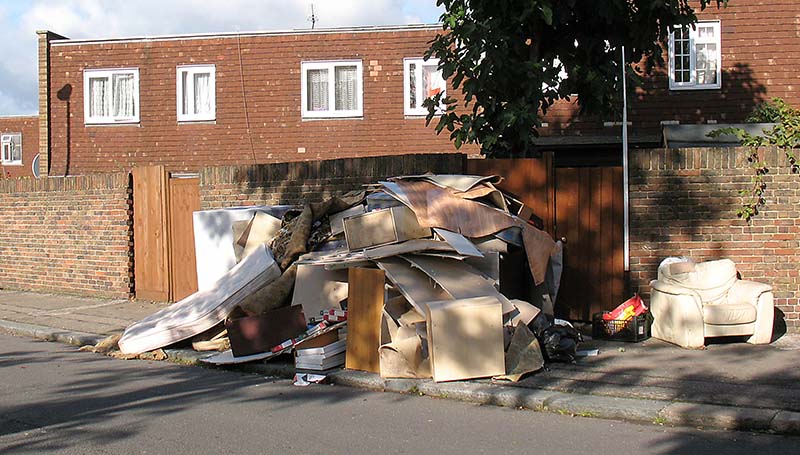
(150, 233)
(364, 310)
(465, 338)
(184, 199)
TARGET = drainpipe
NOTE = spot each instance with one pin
(626, 217)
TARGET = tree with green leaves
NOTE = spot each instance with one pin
(512, 59)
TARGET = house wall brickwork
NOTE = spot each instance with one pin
(760, 54)
(312, 181)
(258, 116)
(67, 235)
(28, 126)
(683, 203)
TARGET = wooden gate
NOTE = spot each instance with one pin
(589, 214)
(163, 236)
(582, 205)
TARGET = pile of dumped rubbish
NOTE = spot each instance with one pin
(431, 276)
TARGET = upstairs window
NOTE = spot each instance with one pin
(422, 80)
(331, 89)
(111, 96)
(695, 57)
(196, 93)
(11, 146)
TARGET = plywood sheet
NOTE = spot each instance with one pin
(410, 246)
(337, 219)
(460, 243)
(364, 310)
(184, 199)
(150, 233)
(203, 309)
(465, 338)
(260, 230)
(458, 279)
(417, 287)
(317, 289)
(254, 334)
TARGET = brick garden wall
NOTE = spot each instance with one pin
(67, 235)
(683, 203)
(299, 182)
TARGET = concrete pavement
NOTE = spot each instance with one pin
(730, 385)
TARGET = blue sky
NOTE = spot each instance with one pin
(20, 19)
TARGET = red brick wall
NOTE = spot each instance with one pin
(271, 73)
(66, 235)
(683, 203)
(312, 181)
(29, 127)
(760, 53)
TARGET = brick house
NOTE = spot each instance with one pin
(19, 143)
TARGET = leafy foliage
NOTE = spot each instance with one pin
(509, 57)
(767, 112)
(785, 135)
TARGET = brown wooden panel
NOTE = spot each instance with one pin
(184, 199)
(529, 179)
(589, 215)
(150, 239)
(364, 311)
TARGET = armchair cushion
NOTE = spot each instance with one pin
(711, 280)
(729, 313)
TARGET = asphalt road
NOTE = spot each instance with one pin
(56, 399)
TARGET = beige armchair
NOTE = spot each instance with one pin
(690, 302)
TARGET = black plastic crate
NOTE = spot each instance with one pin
(634, 329)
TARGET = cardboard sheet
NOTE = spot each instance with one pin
(227, 358)
(365, 301)
(465, 338)
(203, 309)
(489, 266)
(414, 284)
(524, 355)
(525, 312)
(403, 359)
(318, 289)
(410, 246)
(459, 280)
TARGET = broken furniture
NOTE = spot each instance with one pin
(690, 302)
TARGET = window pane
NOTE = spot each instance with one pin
(16, 149)
(184, 92)
(202, 93)
(6, 151)
(346, 88)
(317, 90)
(123, 104)
(97, 96)
(432, 80)
(412, 85)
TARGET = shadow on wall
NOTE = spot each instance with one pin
(64, 94)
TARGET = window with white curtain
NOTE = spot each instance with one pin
(111, 96)
(695, 58)
(11, 147)
(331, 89)
(422, 80)
(196, 93)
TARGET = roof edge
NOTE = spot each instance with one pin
(194, 36)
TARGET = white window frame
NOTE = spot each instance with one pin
(418, 62)
(191, 70)
(109, 74)
(694, 40)
(331, 67)
(6, 145)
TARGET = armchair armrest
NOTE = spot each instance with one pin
(744, 291)
(677, 314)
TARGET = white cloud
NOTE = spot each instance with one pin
(124, 18)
